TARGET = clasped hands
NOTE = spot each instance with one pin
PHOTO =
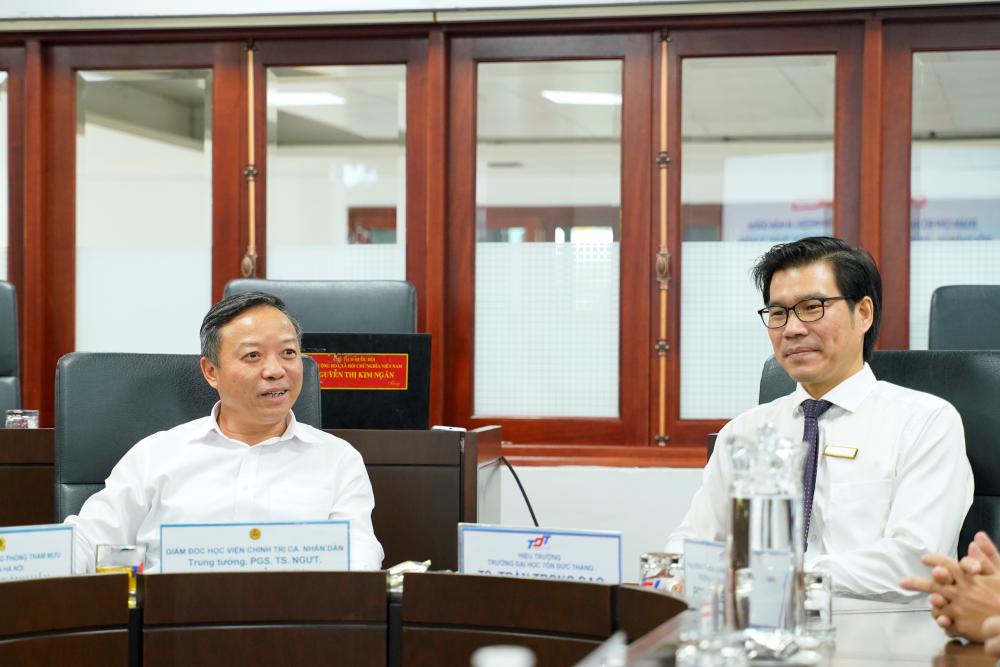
(965, 594)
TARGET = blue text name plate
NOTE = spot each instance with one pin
(32, 552)
(227, 547)
(540, 553)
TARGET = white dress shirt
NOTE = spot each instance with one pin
(905, 494)
(195, 474)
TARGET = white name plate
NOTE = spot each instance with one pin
(32, 552)
(538, 553)
(226, 547)
(704, 569)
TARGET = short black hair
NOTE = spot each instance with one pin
(855, 270)
(227, 310)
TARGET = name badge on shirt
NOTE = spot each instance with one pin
(307, 545)
(840, 451)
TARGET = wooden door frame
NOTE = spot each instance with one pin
(57, 332)
(845, 41)
(901, 40)
(466, 52)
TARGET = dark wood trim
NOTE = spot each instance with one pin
(57, 232)
(418, 129)
(434, 295)
(872, 146)
(461, 243)
(30, 276)
(895, 195)
(357, 50)
(627, 456)
(230, 209)
(847, 135)
(12, 61)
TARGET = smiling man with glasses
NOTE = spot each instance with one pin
(886, 478)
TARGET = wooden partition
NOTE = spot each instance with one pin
(446, 617)
(264, 618)
(424, 483)
(78, 621)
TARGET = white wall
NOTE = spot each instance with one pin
(644, 504)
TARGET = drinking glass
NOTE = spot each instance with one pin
(128, 558)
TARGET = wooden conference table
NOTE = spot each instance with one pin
(868, 634)
(313, 618)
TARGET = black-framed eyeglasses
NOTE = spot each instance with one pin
(807, 310)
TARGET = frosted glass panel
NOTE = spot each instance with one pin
(724, 343)
(336, 184)
(954, 177)
(4, 176)
(756, 169)
(548, 228)
(545, 344)
(144, 210)
(937, 263)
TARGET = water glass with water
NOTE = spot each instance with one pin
(127, 558)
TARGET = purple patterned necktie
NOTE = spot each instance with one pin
(812, 410)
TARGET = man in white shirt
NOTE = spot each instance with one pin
(892, 480)
(248, 461)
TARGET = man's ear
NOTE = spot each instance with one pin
(210, 373)
(864, 311)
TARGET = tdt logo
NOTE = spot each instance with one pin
(538, 542)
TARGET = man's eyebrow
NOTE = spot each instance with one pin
(257, 343)
(804, 297)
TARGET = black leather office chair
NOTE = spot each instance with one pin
(969, 380)
(349, 306)
(965, 317)
(106, 402)
(10, 376)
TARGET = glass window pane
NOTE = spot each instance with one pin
(336, 172)
(757, 169)
(954, 177)
(548, 232)
(4, 176)
(143, 210)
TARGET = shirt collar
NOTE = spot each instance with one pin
(293, 430)
(848, 395)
